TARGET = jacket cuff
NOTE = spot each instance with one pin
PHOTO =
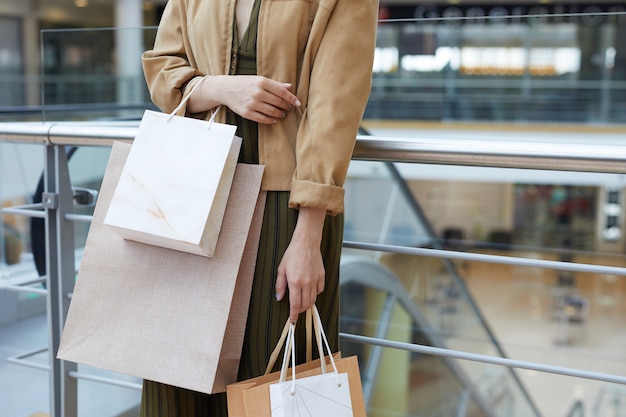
(311, 194)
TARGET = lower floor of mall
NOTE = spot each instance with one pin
(522, 305)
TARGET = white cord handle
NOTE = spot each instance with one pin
(321, 331)
(186, 98)
(290, 350)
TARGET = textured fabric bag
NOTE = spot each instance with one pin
(251, 398)
(161, 314)
(175, 183)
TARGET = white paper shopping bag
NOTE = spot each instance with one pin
(175, 183)
(320, 395)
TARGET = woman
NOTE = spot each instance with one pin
(294, 76)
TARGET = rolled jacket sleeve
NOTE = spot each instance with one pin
(339, 87)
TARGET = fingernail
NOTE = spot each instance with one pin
(284, 114)
(277, 297)
(298, 103)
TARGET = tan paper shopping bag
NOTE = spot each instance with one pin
(161, 314)
(175, 183)
(253, 397)
(235, 392)
(323, 395)
(254, 400)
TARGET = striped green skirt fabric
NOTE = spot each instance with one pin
(266, 316)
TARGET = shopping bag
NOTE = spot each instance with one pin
(175, 183)
(161, 314)
(252, 397)
(327, 394)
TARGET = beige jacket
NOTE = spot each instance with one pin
(325, 48)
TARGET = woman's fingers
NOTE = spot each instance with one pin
(265, 100)
(303, 294)
(300, 301)
(281, 284)
(253, 97)
(295, 306)
(301, 278)
(281, 92)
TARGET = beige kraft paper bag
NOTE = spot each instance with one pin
(161, 314)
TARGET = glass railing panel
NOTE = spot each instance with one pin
(20, 167)
(376, 211)
(22, 184)
(86, 166)
(414, 384)
(560, 214)
(516, 311)
(94, 73)
(610, 401)
(532, 315)
(23, 239)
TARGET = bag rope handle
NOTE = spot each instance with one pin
(290, 351)
(281, 341)
(186, 99)
(323, 334)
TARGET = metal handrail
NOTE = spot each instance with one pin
(456, 354)
(547, 154)
(488, 258)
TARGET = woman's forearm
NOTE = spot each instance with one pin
(206, 97)
(302, 269)
(310, 225)
(253, 97)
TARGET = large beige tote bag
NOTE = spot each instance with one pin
(162, 314)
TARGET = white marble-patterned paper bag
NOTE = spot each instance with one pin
(175, 183)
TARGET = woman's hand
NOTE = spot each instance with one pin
(302, 269)
(253, 97)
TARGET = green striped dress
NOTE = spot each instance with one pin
(266, 316)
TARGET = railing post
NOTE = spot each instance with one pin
(60, 271)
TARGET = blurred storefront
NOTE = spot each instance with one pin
(532, 61)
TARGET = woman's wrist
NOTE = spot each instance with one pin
(207, 95)
(310, 224)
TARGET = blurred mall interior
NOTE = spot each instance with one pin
(486, 73)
